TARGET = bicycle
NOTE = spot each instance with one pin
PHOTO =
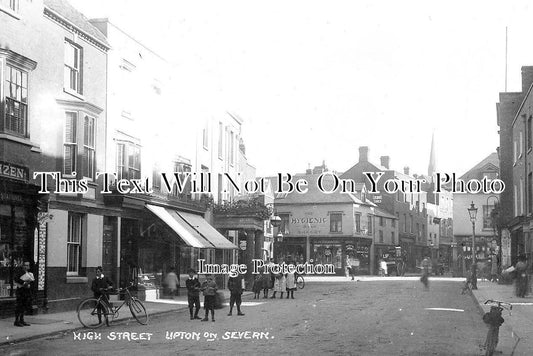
(494, 320)
(300, 282)
(93, 312)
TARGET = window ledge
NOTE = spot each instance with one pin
(74, 94)
(77, 280)
(25, 141)
(10, 12)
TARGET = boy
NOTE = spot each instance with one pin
(193, 293)
(209, 287)
(100, 286)
(235, 287)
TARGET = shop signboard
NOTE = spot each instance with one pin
(13, 171)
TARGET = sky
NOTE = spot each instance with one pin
(314, 80)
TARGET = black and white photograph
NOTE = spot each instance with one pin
(266, 177)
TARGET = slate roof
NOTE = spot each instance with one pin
(490, 163)
(69, 13)
(315, 195)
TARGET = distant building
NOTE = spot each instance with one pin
(408, 208)
(337, 228)
(486, 234)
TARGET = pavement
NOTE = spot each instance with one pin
(516, 334)
(47, 324)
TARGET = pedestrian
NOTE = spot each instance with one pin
(266, 281)
(425, 265)
(193, 293)
(280, 284)
(23, 281)
(494, 268)
(521, 277)
(383, 268)
(235, 288)
(257, 287)
(100, 287)
(209, 288)
(290, 283)
(172, 282)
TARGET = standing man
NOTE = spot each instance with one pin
(23, 281)
(521, 277)
(193, 293)
(235, 287)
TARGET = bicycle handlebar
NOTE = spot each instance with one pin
(505, 305)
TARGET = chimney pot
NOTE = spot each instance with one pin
(406, 170)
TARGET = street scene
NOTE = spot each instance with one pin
(266, 177)
(399, 318)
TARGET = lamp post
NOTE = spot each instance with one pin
(276, 222)
(472, 211)
(494, 215)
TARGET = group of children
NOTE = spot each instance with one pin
(262, 282)
(277, 282)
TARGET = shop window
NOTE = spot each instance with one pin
(13, 234)
(73, 68)
(335, 222)
(74, 241)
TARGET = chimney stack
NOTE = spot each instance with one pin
(527, 78)
(385, 161)
(363, 154)
(308, 171)
(406, 170)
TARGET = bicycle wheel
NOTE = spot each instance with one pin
(138, 311)
(92, 313)
(300, 282)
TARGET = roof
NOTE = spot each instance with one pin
(69, 13)
(383, 213)
(490, 163)
(315, 195)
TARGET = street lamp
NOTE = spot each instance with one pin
(494, 217)
(472, 211)
(276, 222)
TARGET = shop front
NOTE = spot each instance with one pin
(19, 235)
(324, 250)
(165, 239)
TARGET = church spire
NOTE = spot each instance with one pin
(432, 167)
